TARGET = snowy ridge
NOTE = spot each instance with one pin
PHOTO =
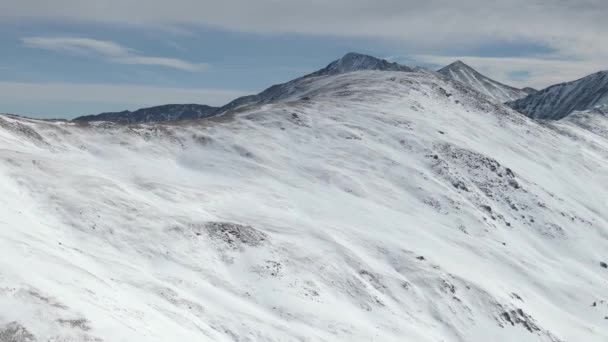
(461, 72)
(557, 101)
(366, 206)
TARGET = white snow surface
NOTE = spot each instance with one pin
(387, 206)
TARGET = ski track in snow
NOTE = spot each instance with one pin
(369, 206)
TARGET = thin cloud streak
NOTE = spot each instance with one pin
(108, 50)
(574, 30)
(138, 95)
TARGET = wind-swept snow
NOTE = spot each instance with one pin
(366, 206)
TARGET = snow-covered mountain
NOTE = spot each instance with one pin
(169, 112)
(365, 206)
(348, 63)
(461, 72)
(557, 101)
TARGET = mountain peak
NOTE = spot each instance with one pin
(458, 65)
(351, 55)
(354, 61)
(463, 73)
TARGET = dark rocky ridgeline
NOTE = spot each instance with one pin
(169, 112)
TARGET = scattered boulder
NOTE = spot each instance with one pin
(235, 234)
(518, 316)
(15, 332)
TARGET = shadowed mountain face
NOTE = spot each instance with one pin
(558, 101)
(169, 112)
(461, 72)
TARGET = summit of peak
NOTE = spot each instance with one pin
(354, 61)
(459, 64)
(463, 73)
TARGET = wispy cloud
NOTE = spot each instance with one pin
(133, 94)
(109, 50)
(575, 30)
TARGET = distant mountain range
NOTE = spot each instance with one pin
(168, 112)
(558, 101)
(551, 103)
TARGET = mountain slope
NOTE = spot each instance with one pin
(377, 208)
(461, 72)
(557, 101)
(169, 112)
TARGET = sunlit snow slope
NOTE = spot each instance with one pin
(371, 206)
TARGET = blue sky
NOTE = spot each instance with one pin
(67, 58)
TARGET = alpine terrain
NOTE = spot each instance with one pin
(364, 202)
(557, 101)
(461, 72)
